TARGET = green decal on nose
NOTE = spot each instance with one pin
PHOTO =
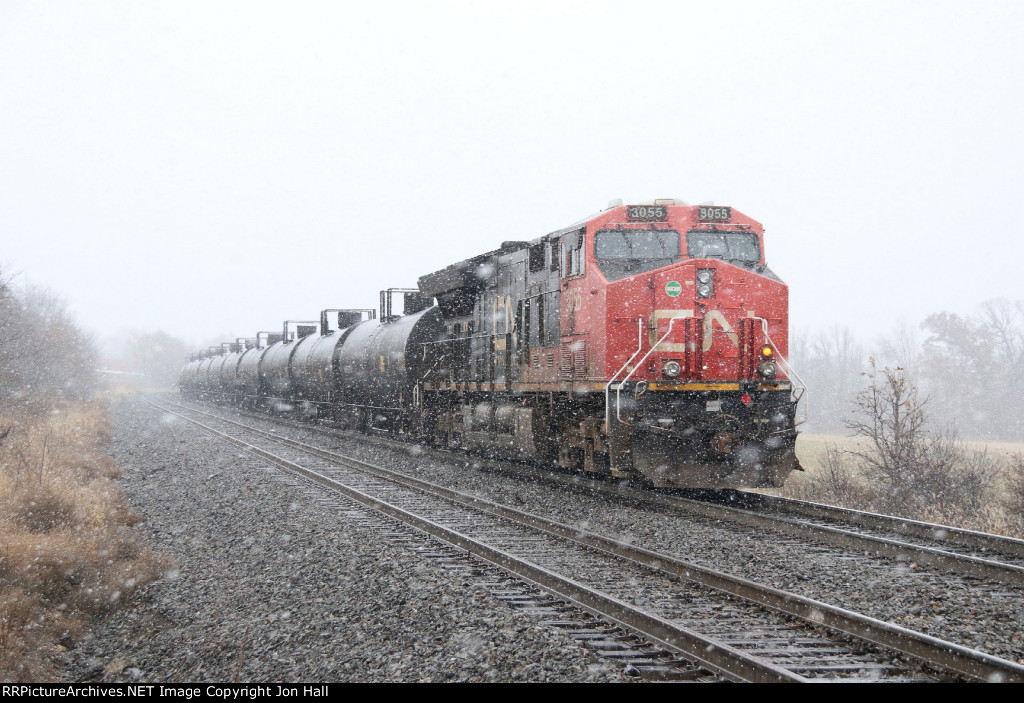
(673, 288)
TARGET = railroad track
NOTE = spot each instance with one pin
(976, 555)
(735, 628)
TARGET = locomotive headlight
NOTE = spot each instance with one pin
(766, 351)
(766, 369)
(671, 369)
(705, 283)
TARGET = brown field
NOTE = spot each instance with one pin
(66, 548)
(1001, 509)
(810, 447)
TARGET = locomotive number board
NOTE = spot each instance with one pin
(647, 212)
(706, 212)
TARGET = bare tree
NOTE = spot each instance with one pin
(901, 348)
(972, 368)
(889, 413)
(919, 471)
(1005, 319)
(44, 355)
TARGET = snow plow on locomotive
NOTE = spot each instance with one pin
(646, 342)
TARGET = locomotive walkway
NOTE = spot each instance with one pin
(735, 628)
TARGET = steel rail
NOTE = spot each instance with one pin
(945, 534)
(964, 564)
(961, 660)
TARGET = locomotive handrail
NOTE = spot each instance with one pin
(618, 389)
(436, 364)
(607, 388)
(452, 344)
(480, 335)
(797, 397)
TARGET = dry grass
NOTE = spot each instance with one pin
(832, 475)
(66, 550)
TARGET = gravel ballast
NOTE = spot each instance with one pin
(274, 586)
(944, 605)
(271, 585)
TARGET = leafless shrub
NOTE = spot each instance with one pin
(1013, 496)
(889, 414)
(917, 472)
(836, 482)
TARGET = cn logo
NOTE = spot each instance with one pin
(710, 318)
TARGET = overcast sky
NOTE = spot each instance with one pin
(213, 168)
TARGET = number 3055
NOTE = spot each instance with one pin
(714, 213)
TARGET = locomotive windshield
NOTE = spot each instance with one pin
(636, 244)
(730, 246)
(624, 252)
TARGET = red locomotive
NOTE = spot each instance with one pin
(647, 341)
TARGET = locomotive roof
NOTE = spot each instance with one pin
(463, 274)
